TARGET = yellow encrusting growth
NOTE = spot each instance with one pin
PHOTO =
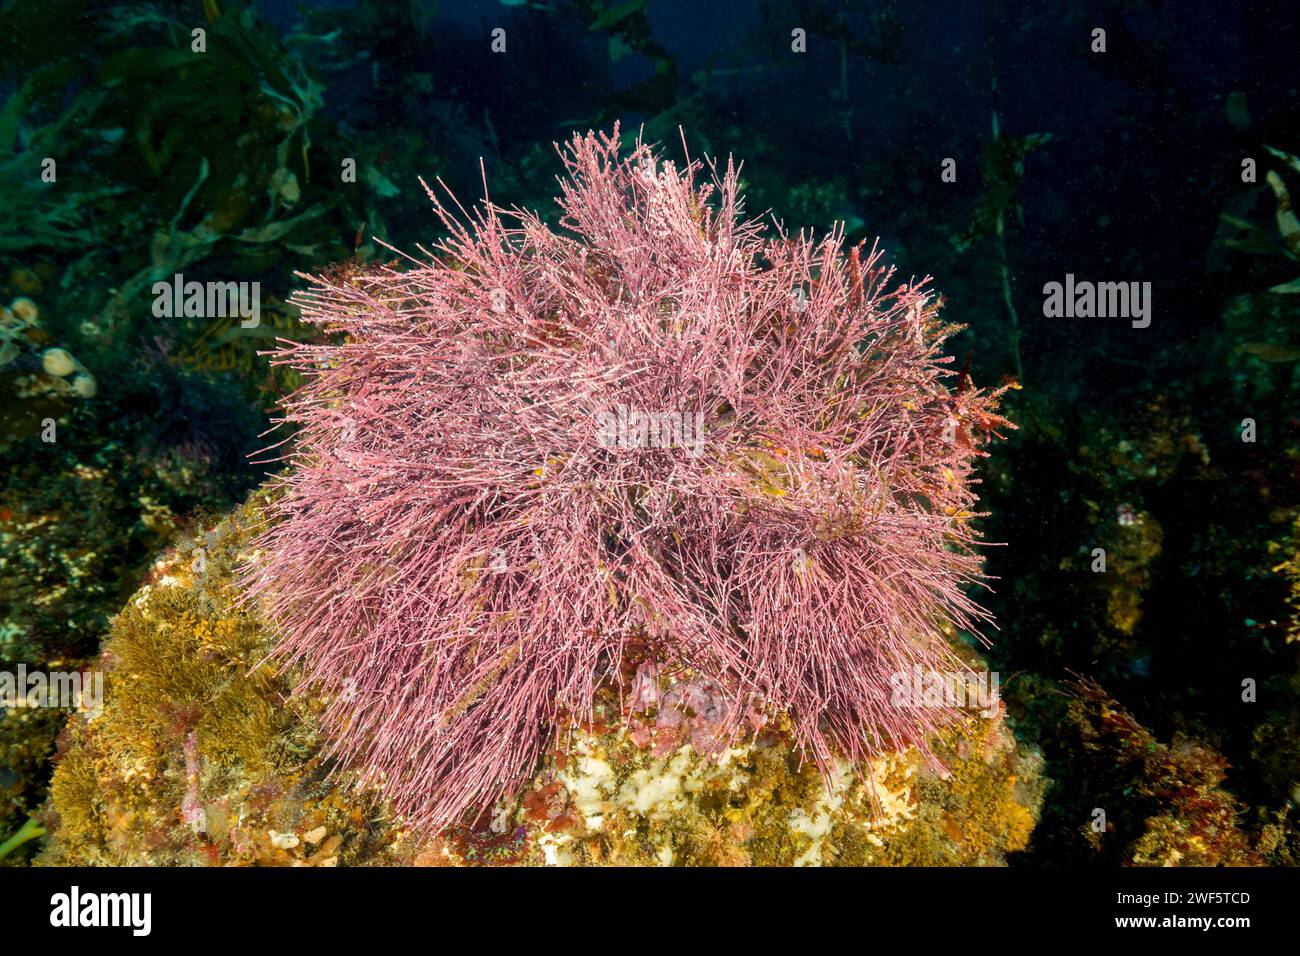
(202, 755)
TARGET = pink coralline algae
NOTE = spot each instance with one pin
(192, 811)
(538, 456)
(696, 711)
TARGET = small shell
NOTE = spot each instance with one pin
(84, 385)
(26, 310)
(58, 362)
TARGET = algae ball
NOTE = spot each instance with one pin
(26, 310)
(84, 385)
(58, 362)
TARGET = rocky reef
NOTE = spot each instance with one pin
(204, 755)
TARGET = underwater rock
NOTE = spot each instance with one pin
(203, 755)
(42, 379)
(1165, 803)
